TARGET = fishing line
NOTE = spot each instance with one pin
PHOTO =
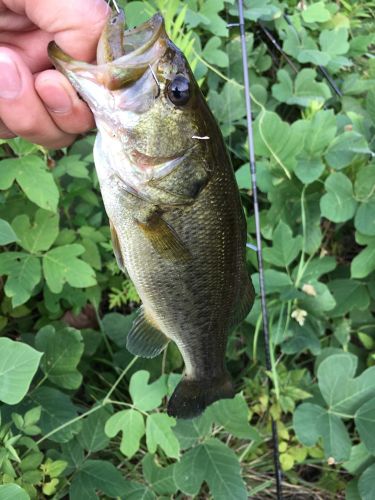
(262, 286)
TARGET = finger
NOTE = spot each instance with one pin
(21, 109)
(31, 46)
(5, 133)
(77, 25)
(66, 109)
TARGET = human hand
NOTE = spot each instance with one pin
(37, 102)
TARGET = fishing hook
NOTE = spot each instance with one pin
(156, 80)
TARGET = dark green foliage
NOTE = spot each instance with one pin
(80, 416)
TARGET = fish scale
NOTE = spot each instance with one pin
(177, 223)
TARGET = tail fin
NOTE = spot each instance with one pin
(191, 397)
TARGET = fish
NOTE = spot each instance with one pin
(169, 190)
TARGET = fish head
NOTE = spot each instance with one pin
(143, 95)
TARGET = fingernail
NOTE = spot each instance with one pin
(55, 97)
(10, 79)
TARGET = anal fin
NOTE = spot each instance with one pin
(164, 239)
(145, 339)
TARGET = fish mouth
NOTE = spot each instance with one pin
(138, 49)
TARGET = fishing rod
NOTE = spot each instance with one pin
(262, 286)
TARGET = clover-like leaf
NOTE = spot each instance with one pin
(61, 265)
(37, 235)
(62, 352)
(147, 396)
(159, 433)
(24, 273)
(131, 424)
(338, 204)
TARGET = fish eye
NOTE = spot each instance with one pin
(179, 90)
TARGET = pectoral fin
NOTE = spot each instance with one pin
(245, 303)
(116, 248)
(145, 339)
(164, 239)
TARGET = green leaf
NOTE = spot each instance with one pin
(215, 463)
(338, 204)
(311, 422)
(190, 431)
(60, 266)
(92, 436)
(131, 424)
(159, 433)
(364, 219)
(303, 91)
(18, 364)
(57, 410)
(35, 180)
(365, 423)
(62, 352)
(7, 235)
(97, 475)
(146, 396)
(40, 234)
(116, 326)
(342, 392)
(364, 263)
(275, 281)
(334, 42)
(24, 273)
(316, 13)
(161, 479)
(233, 415)
(213, 54)
(13, 492)
(349, 295)
(277, 140)
(285, 248)
(366, 484)
(136, 491)
(345, 148)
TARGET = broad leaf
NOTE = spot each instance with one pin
(92, 436)
(57, 411)
(366, 484)
(342, 392)
(343, 150)
(311, 422)
(159, 433)
(147, 396)
(97, 475)
(161, 479)
(338, 204)
(35, 180)
(285, 248)
(349, 295)
(24, 273)
(365, 422)
(233, 415)
(62, 352)
(277, 140)
(7, 235)
(303, 91)
(18, 364)
(61, 265)
(214, 463)
(13, 492)
(116, 326)
(190, 431)
(131, 424)
(38, 235)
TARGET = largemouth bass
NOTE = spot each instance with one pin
(169, 190)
